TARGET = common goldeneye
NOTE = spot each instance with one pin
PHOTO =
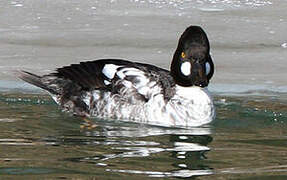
(138, 92)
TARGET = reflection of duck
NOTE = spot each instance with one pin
(190, 151)
(120, 89)
(171, 152)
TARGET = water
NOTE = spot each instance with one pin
(247, 140)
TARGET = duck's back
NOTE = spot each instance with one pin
(106, 88)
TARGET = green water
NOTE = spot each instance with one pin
(246, 141)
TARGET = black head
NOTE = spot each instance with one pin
(192, 64)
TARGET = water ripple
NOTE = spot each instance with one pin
(179, 173)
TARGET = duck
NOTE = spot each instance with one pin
(118, 89)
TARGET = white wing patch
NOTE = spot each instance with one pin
(133, 72)
(134, 80)
(110, 70)
(106, 82)
(138, 81)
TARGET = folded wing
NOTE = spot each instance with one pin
(127, 79)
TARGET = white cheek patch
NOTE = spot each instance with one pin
(185, 68)
(207, 68)
(109, 70)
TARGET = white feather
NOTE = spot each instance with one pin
(143, 90)
(87, 99)
(141, 81)
(107, 82)
(207, 68)
(121, 74)
(127, 84)
(109, 70)
(190, 106)
(151, 84)
(185, 68)
(133, 72)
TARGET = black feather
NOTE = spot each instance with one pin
(89, 74)
(35, 80)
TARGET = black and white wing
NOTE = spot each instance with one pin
(128, 79)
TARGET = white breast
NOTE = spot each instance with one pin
(190, 106)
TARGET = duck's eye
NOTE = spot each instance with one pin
(183, 55)
(207, 68)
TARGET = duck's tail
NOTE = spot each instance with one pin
(35, 80)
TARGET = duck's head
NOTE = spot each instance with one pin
(192, 64)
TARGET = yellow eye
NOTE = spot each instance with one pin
(183, 55)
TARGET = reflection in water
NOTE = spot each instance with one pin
(183, 149)
(179, 173)
(187, 152)
(186, 147)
